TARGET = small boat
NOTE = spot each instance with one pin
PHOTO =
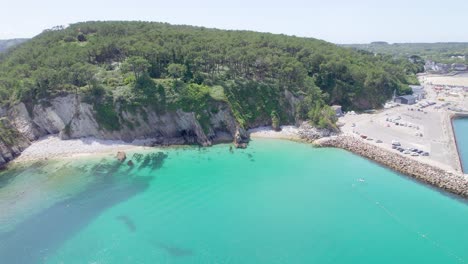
(361, 180)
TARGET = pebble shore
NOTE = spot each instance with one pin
(448, 181)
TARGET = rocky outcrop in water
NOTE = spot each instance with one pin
(240, 138)
(451, 182)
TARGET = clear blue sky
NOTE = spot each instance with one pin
(338, 21)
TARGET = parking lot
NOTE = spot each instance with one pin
(427, 131)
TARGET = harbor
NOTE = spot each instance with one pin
(421, 127)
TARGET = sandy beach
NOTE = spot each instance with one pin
(51, 147)
(287, 132)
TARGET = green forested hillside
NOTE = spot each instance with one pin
(455, 52)
(168, 67)
(6, 44)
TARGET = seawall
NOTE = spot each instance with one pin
(448, 181)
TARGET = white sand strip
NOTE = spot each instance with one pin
(54, 147)
(287, 132)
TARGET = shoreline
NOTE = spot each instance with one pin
(52, 147)
(435, 174)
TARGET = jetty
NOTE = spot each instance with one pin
(453, 182)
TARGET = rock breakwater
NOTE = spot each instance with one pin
(452, 182)
(310, 133)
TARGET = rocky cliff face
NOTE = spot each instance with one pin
(12, 143)
(70, 117)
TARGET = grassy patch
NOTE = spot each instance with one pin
(217, 93)
(106, 116)
(8, 134)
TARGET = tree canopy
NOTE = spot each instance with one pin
(145, 63)
(450, 52)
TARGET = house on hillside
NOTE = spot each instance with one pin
(459, 67)
(432, 66)
(405, 99)
(418, 92)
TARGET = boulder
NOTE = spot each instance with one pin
(121, 156)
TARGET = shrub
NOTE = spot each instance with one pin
(106, 116)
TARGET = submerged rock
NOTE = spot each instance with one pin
(121, 156)
(240, 145)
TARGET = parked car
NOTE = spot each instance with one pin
(425, 154)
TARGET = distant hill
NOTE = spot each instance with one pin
(5, 44)
(449, 52)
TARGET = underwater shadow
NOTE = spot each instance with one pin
(43, 233)
(173, 251)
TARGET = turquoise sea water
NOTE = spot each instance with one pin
(460, 126)
(275, 202)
